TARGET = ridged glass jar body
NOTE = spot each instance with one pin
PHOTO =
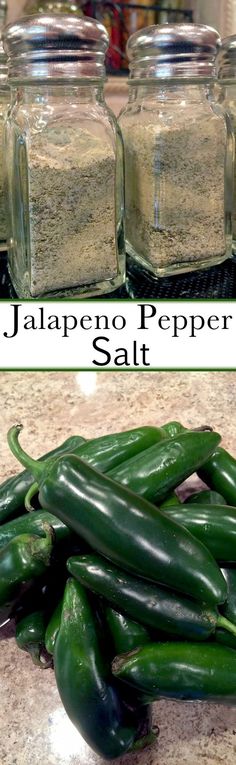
(65, 187)
(179, 149)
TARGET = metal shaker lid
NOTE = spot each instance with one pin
(173, 50)
(226, 59)
(55, 46)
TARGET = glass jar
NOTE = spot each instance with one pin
(52, 6)
(3, 13)
(64, 160)
(178, 152)
(226, 69)
(4, 103)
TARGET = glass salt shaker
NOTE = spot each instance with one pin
(226, 69)
(178, 152)
(4, 103)
(64, 160)
(3, 13)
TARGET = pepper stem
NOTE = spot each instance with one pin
(32, 491)
(36, 468)
(203, 429)
(39, 657)
(226, 625)
(42, 546)
(144, 741)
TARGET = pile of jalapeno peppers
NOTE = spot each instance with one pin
(127, 592)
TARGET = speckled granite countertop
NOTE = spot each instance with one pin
(51, 406)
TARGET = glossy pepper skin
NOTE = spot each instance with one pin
(225, 638)
(155, 607)
(24, 558)
(213, 525)
(30, 636)
(83, 679)
(171, 500)
(154, 474)
(14, 489)
(228, 609)
(123, 526)
(32, 523)
(125, 633)
(52, 628)
(184, 671)
(219, 473)
(103, 453)
(205, 497)
(107, 452)
(173, 428)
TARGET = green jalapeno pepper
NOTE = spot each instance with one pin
(219, 473)
(164, 466)
(228, 608)
(171, 500)
(123, 526)
(150, 605)
(107, 452)
(52, 628)
(205, 497)
(184, 671)
(32, 523)
(125, 633)
(225, 638)
(173, 428)
(14, 489)
(213, 525)
(30, 636)
(103, 453)
(83, 678)
(24, 558)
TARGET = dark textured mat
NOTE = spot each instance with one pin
(215, 283)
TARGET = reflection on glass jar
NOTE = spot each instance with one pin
(3, 13)
(65, 163)
(4, 103)
(226, 67)
(178, 152)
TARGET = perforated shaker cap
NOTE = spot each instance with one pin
(173, 50)
(56, 46)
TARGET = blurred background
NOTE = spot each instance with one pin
(123, 18)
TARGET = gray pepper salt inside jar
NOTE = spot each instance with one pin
(226, 70)
(64, 160)
(4, 103)
(178, 152)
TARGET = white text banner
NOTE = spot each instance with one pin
(117, 334)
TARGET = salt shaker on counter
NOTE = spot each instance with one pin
(3, 13)
(4, 103)
(226, 69)
(179, 150)
(64, 159)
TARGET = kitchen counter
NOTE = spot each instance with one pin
(34, 727)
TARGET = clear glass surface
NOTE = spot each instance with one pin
(4, 102)
(179, 151)
(65, 189)
(227, 98)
